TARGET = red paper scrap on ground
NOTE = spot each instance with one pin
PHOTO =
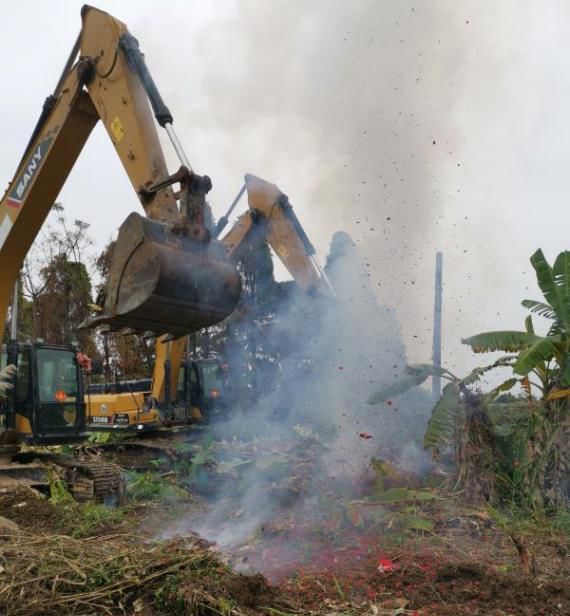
(385, 565)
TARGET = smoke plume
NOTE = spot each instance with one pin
(310, 426)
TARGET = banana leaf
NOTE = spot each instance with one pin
(543, 350)
(414, 375)
(442, 422)
(540, 308)
(505, 386)
(508, 341)
(553, 285)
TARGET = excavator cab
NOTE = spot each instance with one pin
(211, 388)
(44, 405)
(203, 383)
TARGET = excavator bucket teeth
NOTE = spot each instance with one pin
(166, 282)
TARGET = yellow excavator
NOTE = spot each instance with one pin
(184, 389)
(169, 274)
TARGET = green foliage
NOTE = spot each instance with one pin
(56, 284)
(201, 460)
(58, 491)
(541, 351)
(108, 437)
(561, 521)
(554, 282)
(445, 418)
(413, 376)
(418, 524)
(167, 597)
(153, 487)
(81, 519)
(536, 450)
(398, 495)
(225, 606)
(506, 341)
(540, 308)
(89, 518)
(505, 386)
(448, 413)
(537, 352)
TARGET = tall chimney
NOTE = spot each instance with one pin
(436, 349)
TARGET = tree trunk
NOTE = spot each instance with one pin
(476, 454)
(556, 440)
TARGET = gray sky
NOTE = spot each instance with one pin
(340, 104)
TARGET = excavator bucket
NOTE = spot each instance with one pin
(164, 281)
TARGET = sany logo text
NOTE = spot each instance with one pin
(29, 174)
(18, 193)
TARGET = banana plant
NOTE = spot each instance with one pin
(545, 357)
(449, 410)
(542, 362)
(459, 420)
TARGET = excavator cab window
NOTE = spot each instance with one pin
(180, 389)
(59, 410)
(23, 394)
(57, 376)
(212, 380)
(195, 385)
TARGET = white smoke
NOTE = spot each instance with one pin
(311, 424)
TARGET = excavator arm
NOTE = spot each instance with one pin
(106, 78)
(271, 216)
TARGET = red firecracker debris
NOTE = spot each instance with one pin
(389, 402)
(364, 435)
(385, 565)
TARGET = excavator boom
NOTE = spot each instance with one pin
(271, 214)
(109, 81)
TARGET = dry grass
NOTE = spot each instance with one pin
(55, 575)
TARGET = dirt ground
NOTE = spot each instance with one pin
(460, 563)
(465, 565)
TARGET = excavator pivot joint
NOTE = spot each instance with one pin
(147, 193)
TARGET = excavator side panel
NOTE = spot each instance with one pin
(174, 352)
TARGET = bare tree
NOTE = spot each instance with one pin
(58, 242)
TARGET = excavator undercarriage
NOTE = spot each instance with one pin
(87, 477)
